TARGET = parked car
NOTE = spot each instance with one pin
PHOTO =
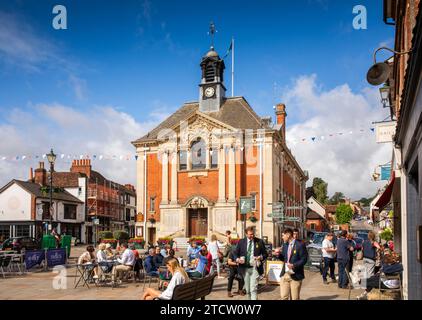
(315, 249)
(20, 244)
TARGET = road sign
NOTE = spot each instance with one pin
(245, 205)
(276, 215)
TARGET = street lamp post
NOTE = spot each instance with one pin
(51, 159)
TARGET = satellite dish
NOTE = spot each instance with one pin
(378, 73)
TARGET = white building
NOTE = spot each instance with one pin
(25, 207)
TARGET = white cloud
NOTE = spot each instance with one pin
(23, 48)
(344, 161)
(100, 130)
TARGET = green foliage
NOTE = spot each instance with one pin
(337, 196)
(343, 213)
(386, 234)
(121, 235)
(105, 235)
(366, 202)
(391, 214)
(320, 190)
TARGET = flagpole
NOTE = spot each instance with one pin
(232, 67)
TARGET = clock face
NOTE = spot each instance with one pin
(209, 92)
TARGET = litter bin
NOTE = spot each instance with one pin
(48, 242)
(66, 242)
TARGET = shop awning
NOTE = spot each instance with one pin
(386, 195)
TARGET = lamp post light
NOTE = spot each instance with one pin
(51, 159)
(385, 95)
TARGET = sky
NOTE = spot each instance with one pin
(121, 67)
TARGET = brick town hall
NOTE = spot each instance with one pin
(193, 168)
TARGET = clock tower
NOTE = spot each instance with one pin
(211, 89)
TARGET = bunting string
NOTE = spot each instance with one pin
(129, 157)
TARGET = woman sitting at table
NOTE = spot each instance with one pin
(109, 251)
(106, 264)
(179, 276)
(88, 258)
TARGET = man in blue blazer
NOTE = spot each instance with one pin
(295, 256)
(250, 254)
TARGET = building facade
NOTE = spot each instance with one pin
(25, 208)
(403, 193)
(195, 166)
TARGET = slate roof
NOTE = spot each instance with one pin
(235, 112)
(35, 189)
(313, 215)
(67, 179)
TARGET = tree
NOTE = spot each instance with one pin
(320, 189)
(344, 213)
(337, 196)
(310, 192)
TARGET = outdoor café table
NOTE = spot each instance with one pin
(86, 272)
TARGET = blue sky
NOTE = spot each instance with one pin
(141, 55)
(121, 67)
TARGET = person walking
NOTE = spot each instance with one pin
(250, 254)
(215, 253)
(295, 256)
(369, 249)
(351, 253)
(328, 252)
(234, 274)
(343, 256)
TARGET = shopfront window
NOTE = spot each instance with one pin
(22, 231)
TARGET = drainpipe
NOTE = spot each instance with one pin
(145, 196)
(260, 187)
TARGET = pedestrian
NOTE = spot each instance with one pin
(296, 234)
(215, 253)
(351, 253)
(328, 253)
(294, 255)
(343, 249)
(234, 275)
(369, 248)
(250, 253)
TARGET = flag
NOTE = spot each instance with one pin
(229, 49)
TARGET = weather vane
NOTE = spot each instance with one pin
(211, 33)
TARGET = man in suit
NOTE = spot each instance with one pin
(250, 254)
(294, 255)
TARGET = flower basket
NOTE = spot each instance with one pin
(139, 243)
(164, 241)
(113, 242)
(253, 219)
(199, 240)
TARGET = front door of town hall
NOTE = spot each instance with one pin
(198, 222)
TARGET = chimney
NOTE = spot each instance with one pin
(280, 112)
(31, 175)
(41, 175)
(81, 166)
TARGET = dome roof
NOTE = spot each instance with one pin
(212, 53)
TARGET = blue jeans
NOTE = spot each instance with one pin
(328, 264)
(342, 277)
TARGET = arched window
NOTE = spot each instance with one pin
(198, 149)
(183, 160)
(214, 158)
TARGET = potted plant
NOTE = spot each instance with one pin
(199, 240)
(139, 242)
(252, 218)
(164, 241)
